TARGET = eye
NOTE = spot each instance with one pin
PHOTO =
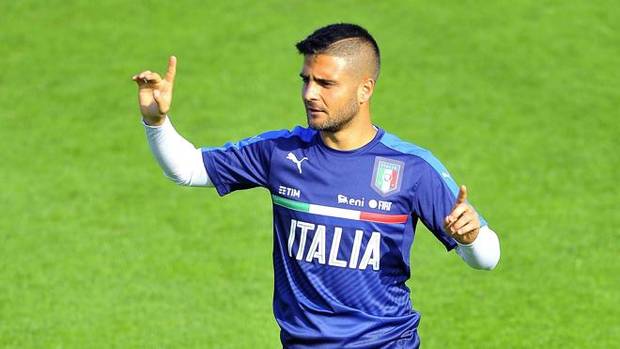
(326, 84)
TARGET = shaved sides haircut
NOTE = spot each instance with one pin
(345, 40)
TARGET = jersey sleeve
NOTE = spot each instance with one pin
(240, 165)
(435, 196)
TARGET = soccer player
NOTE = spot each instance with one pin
(347, 196)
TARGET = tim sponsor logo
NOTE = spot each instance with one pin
(290, 192)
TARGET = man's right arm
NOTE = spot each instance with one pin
(180, 160)
(234, 166)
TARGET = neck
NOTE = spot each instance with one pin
(354, 135)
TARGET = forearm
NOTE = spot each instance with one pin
(178, 158)
(483, 252)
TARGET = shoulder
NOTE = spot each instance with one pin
(270, 138)
(413, 152)
(426, 169)
(300, 133)
(296, 134)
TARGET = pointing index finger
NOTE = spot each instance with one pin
(172, 69)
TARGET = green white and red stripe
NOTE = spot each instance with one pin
(339, 212)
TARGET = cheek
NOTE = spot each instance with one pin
(339, 97)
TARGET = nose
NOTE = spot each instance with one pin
(310, 91)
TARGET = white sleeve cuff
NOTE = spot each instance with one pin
(179, 159)
(482, 253)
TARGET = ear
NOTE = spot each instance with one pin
(365, 90)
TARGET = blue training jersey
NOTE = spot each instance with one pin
(344, 223)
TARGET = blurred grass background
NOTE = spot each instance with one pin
(519, 99)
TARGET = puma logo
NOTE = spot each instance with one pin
(293, 158)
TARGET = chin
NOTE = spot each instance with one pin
(325, 127)
(316, 123)
(315, 126)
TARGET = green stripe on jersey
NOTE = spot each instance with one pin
(339, 212)
(293, 205)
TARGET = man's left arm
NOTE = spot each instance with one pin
(478, 246)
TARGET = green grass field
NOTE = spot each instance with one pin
(519, 99)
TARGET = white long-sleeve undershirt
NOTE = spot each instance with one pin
(183, 164)
(484, 252)
(180, 160)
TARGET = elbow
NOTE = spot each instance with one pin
(197, 177)
(182, 179)
(484, 252)
(189, 177)
(494, 263)
(490, 258)
(487, 265)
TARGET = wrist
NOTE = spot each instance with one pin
(154, 120)
(467, 239)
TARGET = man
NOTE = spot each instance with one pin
(346, 194)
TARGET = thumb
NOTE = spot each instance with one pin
(462, 195)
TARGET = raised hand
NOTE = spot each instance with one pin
(462, 222)
(155, 93)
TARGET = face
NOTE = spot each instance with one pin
(329, 92)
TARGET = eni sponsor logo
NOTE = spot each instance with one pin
(361, 202)
(343, 199)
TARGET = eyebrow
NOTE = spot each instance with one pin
(319, 80)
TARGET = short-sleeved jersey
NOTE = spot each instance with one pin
(344, 223)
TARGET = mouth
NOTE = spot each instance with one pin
(314, 110)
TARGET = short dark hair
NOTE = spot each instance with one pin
(323, 38)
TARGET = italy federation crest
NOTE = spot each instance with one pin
(387, 176)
